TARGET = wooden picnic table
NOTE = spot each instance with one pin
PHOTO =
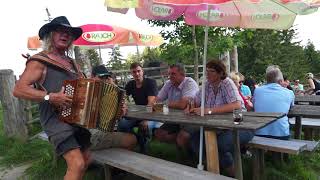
(251, 121)
(307, 99)
(299, 111)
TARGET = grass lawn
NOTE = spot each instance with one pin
(45, 166)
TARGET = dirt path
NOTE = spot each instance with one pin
(13, 173)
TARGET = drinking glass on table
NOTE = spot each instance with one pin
(149, 108)
(237, 116)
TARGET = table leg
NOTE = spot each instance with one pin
(107, 172)
(237, 155)
(297, 128)
(212, 151)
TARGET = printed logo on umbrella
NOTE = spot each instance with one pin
(214, 15)
(161, 10)
(265, 17)
(145, 38)
(98, 36)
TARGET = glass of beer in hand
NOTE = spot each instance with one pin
(237, 116)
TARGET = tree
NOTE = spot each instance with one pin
(116, 60)
(312, 57)
(151, 55)
(93, 57)
(186, 42)
(265, 47)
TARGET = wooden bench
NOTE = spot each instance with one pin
(261, 144)
(149, 167)
(311, 145)
(145, 166)
(311, 127)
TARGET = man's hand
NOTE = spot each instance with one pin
(187, 109)
(60, 99)
(196, 110)
(124, 109)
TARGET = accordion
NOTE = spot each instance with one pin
(95, 104)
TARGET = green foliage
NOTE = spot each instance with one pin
(15, 151)
(46, 166)
(1, 121)
(181, 46)
(93, 57)
(312, 58)
(304, 166)
(265, 47)
(132, 58)
(34, 128)
(163, 151)
(151, 55)
(116, 61)
(148, 55)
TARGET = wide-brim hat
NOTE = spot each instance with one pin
(60, 21)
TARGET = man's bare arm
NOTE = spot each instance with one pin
(151, 100)
(24, 89)
(32, 74)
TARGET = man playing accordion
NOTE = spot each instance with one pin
(48, 70)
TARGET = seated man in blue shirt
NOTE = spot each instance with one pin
(272, 97)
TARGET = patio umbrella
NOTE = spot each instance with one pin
(107, 36)
(262, 14)
(104, 36)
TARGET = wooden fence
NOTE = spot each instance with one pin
(14, 114)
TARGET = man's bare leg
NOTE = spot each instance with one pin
(76, 164)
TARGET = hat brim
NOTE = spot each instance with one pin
(47, 28)
(104, 74)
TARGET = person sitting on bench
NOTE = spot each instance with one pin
(273, 97)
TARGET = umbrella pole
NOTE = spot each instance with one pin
(200, 165)
(138, 53)
(100, 56)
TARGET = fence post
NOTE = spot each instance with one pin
(14, 115)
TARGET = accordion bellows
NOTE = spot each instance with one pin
(95, 104)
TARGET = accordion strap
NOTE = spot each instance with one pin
(44, 58)
(77, 68)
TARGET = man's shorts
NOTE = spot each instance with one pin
(79, 139)
(101, 140)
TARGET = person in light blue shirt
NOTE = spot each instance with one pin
(272, 97)
(177, 91)
(245, 90)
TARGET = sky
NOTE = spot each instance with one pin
(21, 19)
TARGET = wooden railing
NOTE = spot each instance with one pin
(157, 73)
